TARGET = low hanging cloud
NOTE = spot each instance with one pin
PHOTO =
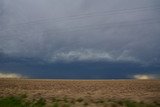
(11, 75)
(81, 55)
(91, 55)
(145, 76)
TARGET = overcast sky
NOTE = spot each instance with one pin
(52, 33)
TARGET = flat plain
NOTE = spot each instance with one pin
(136, 90)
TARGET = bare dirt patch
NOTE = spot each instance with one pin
(138, 90)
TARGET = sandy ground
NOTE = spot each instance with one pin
(139, 90)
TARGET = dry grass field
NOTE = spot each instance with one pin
(86, 91)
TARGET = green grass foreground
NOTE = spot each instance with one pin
(22, 101)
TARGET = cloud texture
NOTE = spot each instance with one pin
(91, 55)
(82, 30)
(118, 27)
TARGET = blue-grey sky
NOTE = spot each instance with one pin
(80, 38)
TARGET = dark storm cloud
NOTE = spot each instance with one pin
(77, 70)
(81, 30)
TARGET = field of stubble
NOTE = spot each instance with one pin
(86, 91)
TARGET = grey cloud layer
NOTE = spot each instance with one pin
(81, 30)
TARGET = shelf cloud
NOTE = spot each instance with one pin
(126, 30)
(91, 55)
(82, 30)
